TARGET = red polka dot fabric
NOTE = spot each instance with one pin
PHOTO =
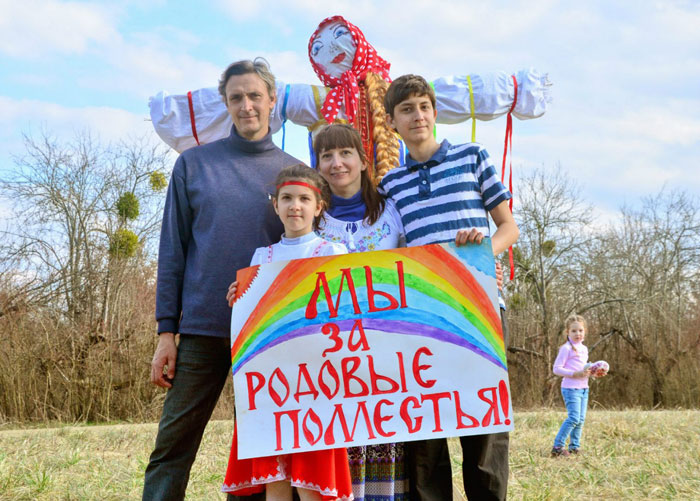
(345, 90)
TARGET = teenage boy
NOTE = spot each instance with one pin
(445, 193)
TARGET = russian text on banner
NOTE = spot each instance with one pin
(368, 348)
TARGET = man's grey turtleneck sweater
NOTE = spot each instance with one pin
(217, 212)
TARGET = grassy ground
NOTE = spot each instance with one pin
(628, 455)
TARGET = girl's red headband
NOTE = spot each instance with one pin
(299, 183)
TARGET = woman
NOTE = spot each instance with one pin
(363, 220)
(359, 216)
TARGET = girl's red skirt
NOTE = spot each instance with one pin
(327, 472)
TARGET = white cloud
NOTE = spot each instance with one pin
(137, 63)
(679, 18)
(31, 117)
(142, 70)
(414, 36)
(623, 119)
(668, 125)
(287, 65)
(33, 28)
(616, 157)
(241, 11)
(625, 111)
(5, 212)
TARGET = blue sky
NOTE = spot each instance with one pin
(624, 120)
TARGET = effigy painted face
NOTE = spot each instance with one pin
(333, 48)
(341, 58)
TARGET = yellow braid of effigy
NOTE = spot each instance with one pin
(385, 142)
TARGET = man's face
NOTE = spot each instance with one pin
(249, 104)
(414, 119)
(333, 49)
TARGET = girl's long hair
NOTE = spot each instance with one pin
(344, 136)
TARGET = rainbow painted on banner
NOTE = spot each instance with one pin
(443, 300)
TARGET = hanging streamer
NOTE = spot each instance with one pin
(192, 123)
(508, 148)
(432, 85)
(471, 108)
(284, 113)
(312, 158)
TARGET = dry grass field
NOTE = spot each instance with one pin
(628, 455)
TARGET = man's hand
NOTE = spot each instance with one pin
(472, 236)
(164, 357)
(231, 294)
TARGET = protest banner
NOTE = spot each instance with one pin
(368, 348)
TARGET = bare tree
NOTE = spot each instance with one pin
(552, 218)
(65, 219)
(73, 247)
(650, 280)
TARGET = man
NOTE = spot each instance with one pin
(217, 212)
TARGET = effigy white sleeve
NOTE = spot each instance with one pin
(493, 95)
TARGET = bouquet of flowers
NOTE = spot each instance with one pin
(598, 369)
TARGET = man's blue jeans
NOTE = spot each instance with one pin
(576, 401)
(201, 369)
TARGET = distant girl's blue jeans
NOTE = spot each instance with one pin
(576, 401)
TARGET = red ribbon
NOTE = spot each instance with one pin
(508, 148)
(194, 126)
(298, 183)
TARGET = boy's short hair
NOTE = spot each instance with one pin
(404, 87)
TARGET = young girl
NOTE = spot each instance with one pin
(299, 200)
(361, 219)
(571, 365)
